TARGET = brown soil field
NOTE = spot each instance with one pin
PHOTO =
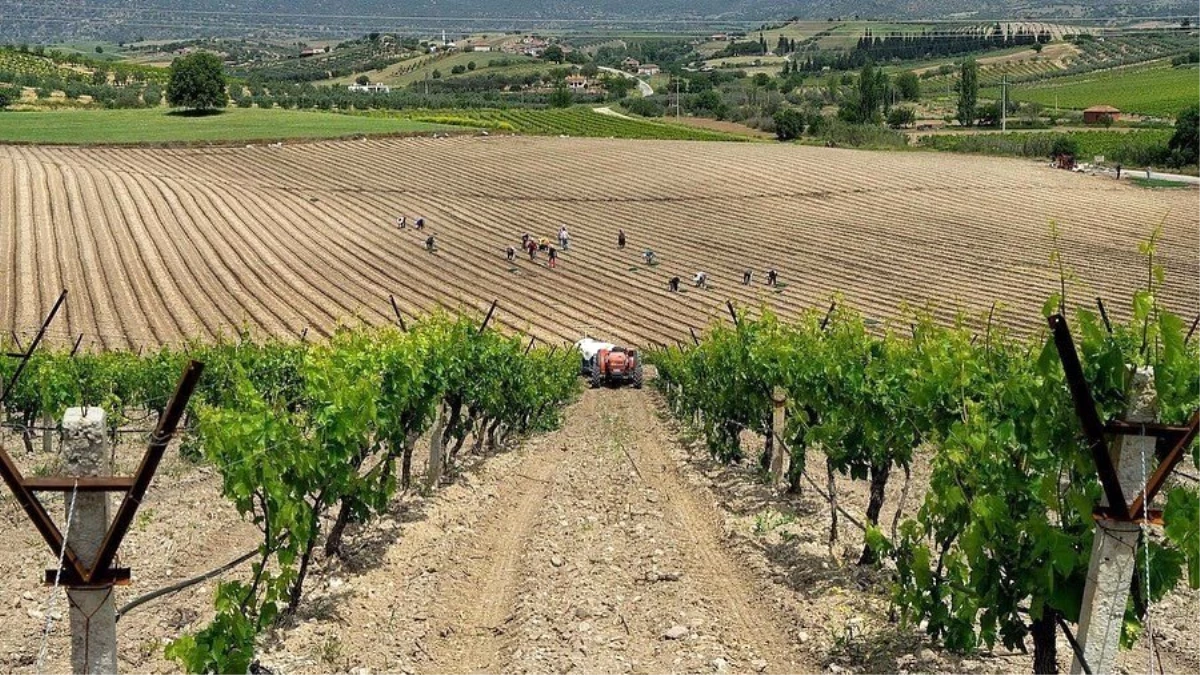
(159, 245)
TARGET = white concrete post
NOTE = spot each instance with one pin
(433, 472)
(780, 458)
(1114, 547)
(93, 612)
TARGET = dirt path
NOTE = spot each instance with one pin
(594, 553)
(579, 552)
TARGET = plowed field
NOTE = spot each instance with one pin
(157, 245)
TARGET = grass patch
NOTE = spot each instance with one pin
(1134, 148)
(1158, 183)
(579, 121)
(1162, 90)
(159, 125)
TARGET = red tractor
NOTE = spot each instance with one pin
(606, 363)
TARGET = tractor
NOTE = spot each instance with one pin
(606, 363)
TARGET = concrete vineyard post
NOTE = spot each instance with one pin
(780, 460)
(93, 613)
(1114, 547)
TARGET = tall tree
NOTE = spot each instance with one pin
(968, 92)
(197, 82)
(868, 94)
(1186, 139)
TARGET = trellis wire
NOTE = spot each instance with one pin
(62, 552)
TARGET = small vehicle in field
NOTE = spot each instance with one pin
(605, 363)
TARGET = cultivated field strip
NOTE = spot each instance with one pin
(159, 245)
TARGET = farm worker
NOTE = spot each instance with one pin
(564, 239)
(403, 222)
(524, 240)
(420, 223)
(544, 244)
(532, 248)
(701, 280)
(553, 257)
(772, 277)
(430, 244)
(673, 285)
(620, 238)
(648, 256)
(747, 275)
(1118, 172)
(510, 253)
(1147, 173)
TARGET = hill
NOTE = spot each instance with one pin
(114, 19)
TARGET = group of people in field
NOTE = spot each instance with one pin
(700, 279)
(532, 246)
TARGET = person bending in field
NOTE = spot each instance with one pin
(402, 222)
(544, 244)
(772, 277)
(648, 256)
(552, 257)
(430, 244)
(747, 276)
(525, 239)
(531, 248)
(620, 238)
(700, 280)
(673, 285)
(420, 223)
(510, 254)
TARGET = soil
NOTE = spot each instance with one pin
(611, 545)
(164, 245)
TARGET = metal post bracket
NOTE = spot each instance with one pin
(1173, 439)
(75, 572)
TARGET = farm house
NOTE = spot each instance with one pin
(1101, 114)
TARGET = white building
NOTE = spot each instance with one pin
(371, 88)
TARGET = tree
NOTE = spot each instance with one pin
(789, 124)
(869, 95)
(362, 80)
(9, 96)
(470, 65)
(968, 92)
(901, 116)
(197, 81)
(554, 53)
(437, 74)
(1064, 145)
(458, 70)
(561, 97)
(1183, 144)
(1037, 47)
(908, 85)
(99, 49)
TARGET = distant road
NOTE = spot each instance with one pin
(643, 86)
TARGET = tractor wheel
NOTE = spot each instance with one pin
(597, 378)
(637, 376)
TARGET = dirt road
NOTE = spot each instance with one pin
(586, 551)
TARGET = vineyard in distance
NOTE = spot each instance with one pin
(308, 339)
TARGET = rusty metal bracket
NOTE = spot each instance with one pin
(75, 572)
(1175, 439)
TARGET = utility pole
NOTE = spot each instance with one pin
(677, 99)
